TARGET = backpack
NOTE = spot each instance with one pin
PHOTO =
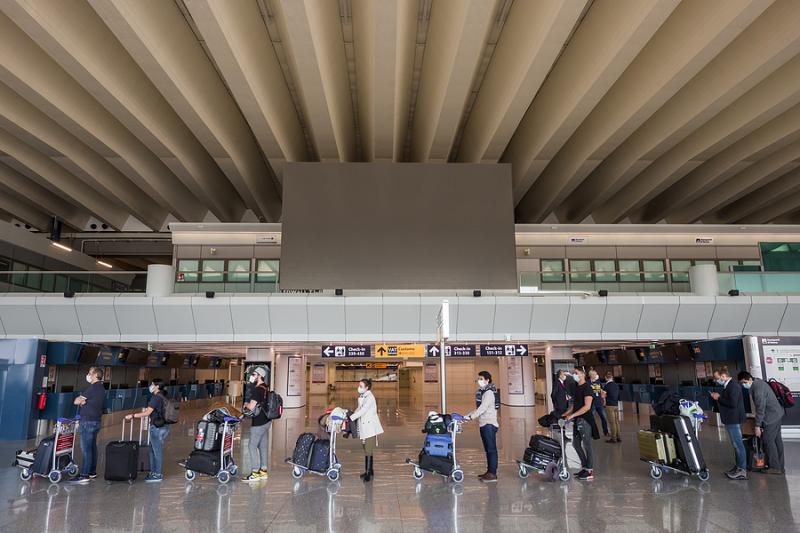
(273, 405)
(172, 411)
(668, 404)
(782, 392)
(479, 397)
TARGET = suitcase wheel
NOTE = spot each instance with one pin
(72, 470)
(418, 473)
(564, 475)
(54, 476)
(233, 469)
(25, 474)
(457, 476)
(656, 472)
(523, 472)
(704, 475)
(333, 474)
(297, 472)
(223, 476)
(190, 475)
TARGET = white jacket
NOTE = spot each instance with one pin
(367, 415)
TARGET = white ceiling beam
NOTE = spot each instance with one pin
(693, 34)
(159, 39)
(736, 70)
(106, 179)
(456, 38)
(312, 33)
(606, 41)
(532, 38)
(240, 45)
(34, 74)
(21, 209)
(721, 166)
(50, 203)
(775, 199)
(77, 38)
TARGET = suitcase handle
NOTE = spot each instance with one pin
(122, 438)
(141, 428)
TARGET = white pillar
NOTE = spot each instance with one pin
(752, 357)
(160, 280)
(289, 373)
(553, 353)
(512, 369)
(703, 280)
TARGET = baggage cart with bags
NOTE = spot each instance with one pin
(122, 458)
(215, 463)
(687, 457)
(438, 455)
(543, 451)
(318, 455)
(53, 457)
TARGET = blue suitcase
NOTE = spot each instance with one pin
(438, 445)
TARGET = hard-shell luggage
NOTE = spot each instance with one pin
(302, 449)
(43, 456)
(536, 459)
(319, 455)
(207, 436)
(440, 465)
(439, 445)
(653, 447)
(144, 449)
(546, 445)
(122, 458)
(688, 451)
(205, 462)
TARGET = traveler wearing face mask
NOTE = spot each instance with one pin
(157, 434)
(91, 403)
(369, 425)
(259, 429)
(486, 413)
(597, 405)
(732, 414)
(769, 414)
(559, 394)
(584, 427)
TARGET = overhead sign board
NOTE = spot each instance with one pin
(503, 350)
(399, 350)
(345, 350)
(452, 350)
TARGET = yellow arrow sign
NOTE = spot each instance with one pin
(399, 350)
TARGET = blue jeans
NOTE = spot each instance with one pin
(489, 438)
(601, 412)
(735, 434)
(157, 438)
(88, 433)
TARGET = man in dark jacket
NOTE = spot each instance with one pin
(769, 414)
(731, 411)
(559, 394)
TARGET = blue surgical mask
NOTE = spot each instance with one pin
(746, 385)
(576, 377)
(721, 382)
(152, 389)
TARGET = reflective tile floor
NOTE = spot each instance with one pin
(622, 498)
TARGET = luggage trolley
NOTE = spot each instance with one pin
(228, 466)
(64, 440)
(457, 475)
(657, 470)
(563, 472)
(333, 426)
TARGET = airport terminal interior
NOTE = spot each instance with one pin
(399, 265)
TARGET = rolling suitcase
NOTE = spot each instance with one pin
(319, 455)
(43, 456)
(144, 449)
(439, 445)
(302, 449)
(432, 463)
(546, 445)
(687, 446)
(537, 459)
(653, 447)
(204, 462)
(122, 458)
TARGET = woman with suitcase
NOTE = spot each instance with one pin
(369, 425)
(159, 430)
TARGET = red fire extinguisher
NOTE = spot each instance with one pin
(41, 401)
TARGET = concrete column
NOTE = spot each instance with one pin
(703, 280)
(160, 280)
(282, 365)
(552, 353)
(752, 357)
(527, 398)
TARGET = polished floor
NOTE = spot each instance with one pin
(622, 498)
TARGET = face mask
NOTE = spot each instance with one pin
(746, 385)
(481, 383)
(88, 378)
(362, 390)
(576, 377)
(152, 389)
(562, 379)
(252, 379)
(721, 382)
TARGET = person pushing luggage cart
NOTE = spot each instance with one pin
(369, 425)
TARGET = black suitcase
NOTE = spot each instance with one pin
(319, 455)
(302, 449)
(43, 457)
(688, 446)
(546, 445)
(122, 458)
(204, 462)
(440, 465)
(144, 449)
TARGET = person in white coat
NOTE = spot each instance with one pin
(369, 426)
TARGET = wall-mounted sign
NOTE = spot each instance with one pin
(266, 239)
(703, 241)
(377, 365)
(502, 350)
(516, 376)
(399, 350)
(297, 377)
(578, 240)
(431, 374)
(344, 350)
(318, 372)
(451, 350)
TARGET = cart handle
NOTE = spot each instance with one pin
(230, 419)
(67, 420)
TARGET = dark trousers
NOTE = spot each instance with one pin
(601, 412)
(88, 435)
(582, 442)
(489, 438)
(773, 445)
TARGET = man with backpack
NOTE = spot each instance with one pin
(259, 428)
(769, 414)
(162, 412)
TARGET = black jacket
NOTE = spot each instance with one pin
(559, 397)
(731, 404)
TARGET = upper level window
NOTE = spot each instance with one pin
(267, 270)
(187, 270)
(212, 270)
(629, 270)
(580, 270)
(552, 270)
(239, 270)
(653, 270)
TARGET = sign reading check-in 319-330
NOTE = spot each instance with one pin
(452, 350)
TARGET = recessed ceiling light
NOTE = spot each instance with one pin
(61, 246)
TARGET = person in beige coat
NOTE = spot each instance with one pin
(369, 425)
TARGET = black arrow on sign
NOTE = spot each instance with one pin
(381, 350)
